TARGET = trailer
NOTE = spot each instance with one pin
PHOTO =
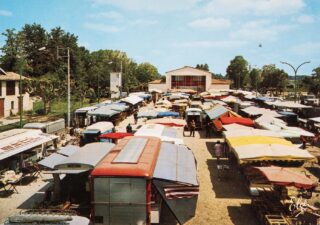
(52, 127)
(139, 174)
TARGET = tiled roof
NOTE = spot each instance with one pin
(156, 82)
(220, 81)
(11, 76)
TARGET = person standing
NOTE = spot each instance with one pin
(129, 128)
(192, 128)
(218, 149)
(208, 130)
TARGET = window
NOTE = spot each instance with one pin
(11, 87)
(12, 104)
(0, 88)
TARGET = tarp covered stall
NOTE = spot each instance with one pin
(255, 111)
(168, 114)
(249, 149)
(85, 159)
(166, 134)
(287, 104)
(238, 120)
(16, 141)
(216, 112)
(115, 136)
(168, 122)
(286, 131)
(148, 114)
(175, 177)
(92, 132)
(242, 132)
(52, 160)
(132, 100)
(286, 177)
(68, 150)
(81, 115)
(103, 111)
(315, 119)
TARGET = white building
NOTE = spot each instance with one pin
(189, 78)
(115, 84)
(10, 95)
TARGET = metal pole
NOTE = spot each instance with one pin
(120, 88)
(68, 87)
(295, 76)
(20, 92)
(98, 88)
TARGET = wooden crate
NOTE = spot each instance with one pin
(275, 220)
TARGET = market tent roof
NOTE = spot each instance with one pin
(133, 100)
(148, 114)
(164, 103)
(15, 141)
(230, 99)
(216, 112)
(168, 113)
(269, 119)
(86, 109)
(117, 107)
(86, 158)
(288, 104)
(242, 132)
(315, 119)
(168, 122)
(254, 111)
(103, 111)
(259, 148)
(234, 126)
(52, 160)
(99, 127)
(286, 177)
(118, 135)
(176, 163)
(68, 150)
(238, 120)
(286, 131)
(34, 126)
(166, 134)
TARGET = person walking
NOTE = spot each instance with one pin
(218, 149)
(208, 130)
(135, 117)
(192, 128)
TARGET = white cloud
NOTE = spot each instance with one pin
(210, 23)
(260, 30)
(209, 44)
(257, 7)
(141, 22)
(107, 15)
(102, 27)
(305, 19)
(5, 13)
(147, 5)
(307, 48)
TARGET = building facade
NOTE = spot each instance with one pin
(189, 78)
(10, 95)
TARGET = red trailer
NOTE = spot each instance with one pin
(131, 182)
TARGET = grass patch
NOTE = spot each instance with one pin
(12, 126)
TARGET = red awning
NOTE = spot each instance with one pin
(238, 120)
(286, 177)
(118, 135)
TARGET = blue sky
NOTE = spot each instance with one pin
(175, 33)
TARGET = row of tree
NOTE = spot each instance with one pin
(42, 56)
(269, 78)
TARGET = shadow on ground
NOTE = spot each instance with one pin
(227, 183)
(242, 215)
(35, 199)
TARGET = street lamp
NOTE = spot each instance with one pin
(295, 76)
(66, 56)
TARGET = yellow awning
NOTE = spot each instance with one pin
(256, 140)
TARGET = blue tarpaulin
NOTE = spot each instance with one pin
(168, 114)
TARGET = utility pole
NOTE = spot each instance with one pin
(68, 81)
(295, 76)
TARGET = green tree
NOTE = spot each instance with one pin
(204, 67)
(147, 72)
(47, 87)
(237, 71)
(254, 79)
(10, 51)
(273, 79)
(313, 83)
